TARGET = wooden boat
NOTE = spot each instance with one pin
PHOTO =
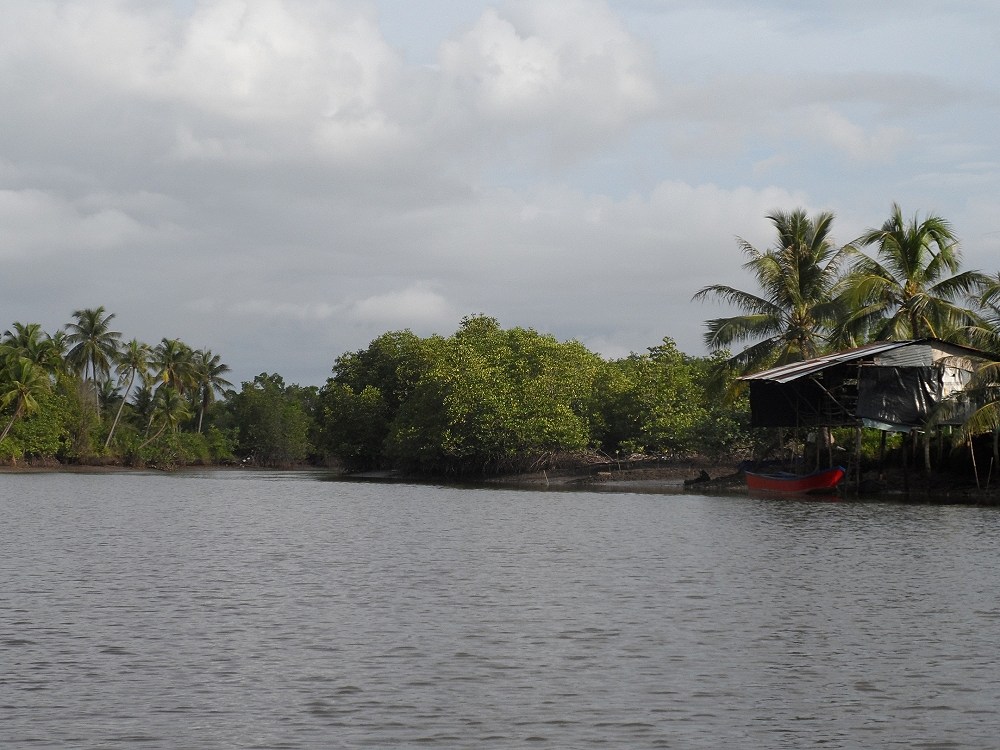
(822, 481)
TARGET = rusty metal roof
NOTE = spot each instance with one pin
(796, 370)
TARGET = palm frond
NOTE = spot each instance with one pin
(721, 332)
(748, 303)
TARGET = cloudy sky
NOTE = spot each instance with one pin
(280, 181)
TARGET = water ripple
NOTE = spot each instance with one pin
(242, 610)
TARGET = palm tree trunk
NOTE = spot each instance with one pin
(972, 453)
(857, 460)
(121, 406)
(6, 430)
(158, 433)
(13, 419)
(907, 439)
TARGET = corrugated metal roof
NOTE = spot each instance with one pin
(796, 370)
(919, 355)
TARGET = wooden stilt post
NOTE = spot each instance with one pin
(907, 439)
(881, 455)
(975, 470)
(857, 460)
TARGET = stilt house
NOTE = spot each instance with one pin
(888, 385)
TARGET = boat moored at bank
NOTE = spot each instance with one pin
(819, 482)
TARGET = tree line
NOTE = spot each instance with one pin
(482, 400)
(489, 400)
(84, 395)
(486, 399)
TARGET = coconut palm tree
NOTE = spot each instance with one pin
(209, 370)
(143, 403)
(792, 316)
(173, 361)
(93, 345)
(108, 395)
(58, 342)
(28, 340)
(133, 361)
(56, 361)
(24, 381)
(170, 410)
(985, 334)
(984, 388)
(911, 288)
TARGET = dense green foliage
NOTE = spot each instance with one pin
(488, 400)
(494, 399)
(273, 421)
(83, 396)
(483, 400)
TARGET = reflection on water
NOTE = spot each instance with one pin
(250, 610)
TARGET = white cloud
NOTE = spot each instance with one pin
(37, 224)
(277, 171)
(237, 80)
(825, 124)
(532, 69)
(416, 305)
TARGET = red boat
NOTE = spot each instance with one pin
(822, 481)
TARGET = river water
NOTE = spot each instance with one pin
(278, 610)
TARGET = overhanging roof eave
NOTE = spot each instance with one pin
(796, 370)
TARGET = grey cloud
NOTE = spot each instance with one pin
(275, 181)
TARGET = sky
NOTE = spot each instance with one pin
(282, 181)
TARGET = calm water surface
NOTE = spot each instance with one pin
(255, 610)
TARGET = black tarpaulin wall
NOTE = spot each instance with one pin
(798, 403)
(898, 395)
(886, 395)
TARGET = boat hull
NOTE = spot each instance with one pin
(819, 482)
